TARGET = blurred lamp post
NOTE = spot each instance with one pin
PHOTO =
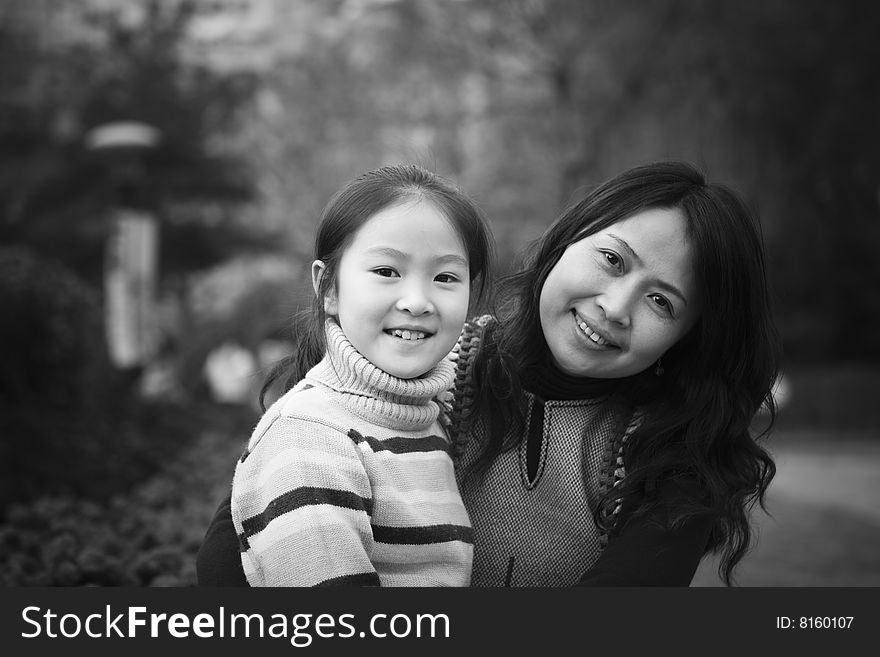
(131, 255)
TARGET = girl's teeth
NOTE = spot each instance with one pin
(409, 335)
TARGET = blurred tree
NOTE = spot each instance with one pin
(527, 103)
(54, 194)
(780, 99)
(802, 80)
(351, 86)
(66, 68)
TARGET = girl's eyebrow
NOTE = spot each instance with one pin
(388, 252)
(669, 287)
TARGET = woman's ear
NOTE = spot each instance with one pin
(318, 270)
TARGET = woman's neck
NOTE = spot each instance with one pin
(545, 380)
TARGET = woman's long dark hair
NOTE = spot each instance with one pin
(344, 214)
(694, 436)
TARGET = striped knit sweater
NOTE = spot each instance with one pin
(347, 479)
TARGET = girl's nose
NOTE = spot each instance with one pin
(414, 300)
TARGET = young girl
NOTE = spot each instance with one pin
(603, 419)
(610, 435)
(347, 478)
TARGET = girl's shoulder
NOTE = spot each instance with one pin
(305, 409)
(304, 395)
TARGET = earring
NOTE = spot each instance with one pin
(658, 371)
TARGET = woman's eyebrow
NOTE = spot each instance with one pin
(669, 287)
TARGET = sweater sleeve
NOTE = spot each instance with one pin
(647, 552)
(218, 562)
(301, 506)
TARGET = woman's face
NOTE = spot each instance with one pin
(618, 299)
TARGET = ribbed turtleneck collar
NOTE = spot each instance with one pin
(375, 395)
(548, 382)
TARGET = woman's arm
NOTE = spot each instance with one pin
(218, 562)
(646, 551)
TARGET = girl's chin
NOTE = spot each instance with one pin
(406, 373)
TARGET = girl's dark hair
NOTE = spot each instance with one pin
(348, 210)
(694, 437)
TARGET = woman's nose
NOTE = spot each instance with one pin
(616, 302)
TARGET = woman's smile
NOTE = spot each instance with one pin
(596, 338)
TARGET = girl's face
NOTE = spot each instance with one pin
(402, 289)
(618, 299)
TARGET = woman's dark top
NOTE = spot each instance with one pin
(219, 560)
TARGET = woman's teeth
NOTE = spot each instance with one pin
(409, 335)
(595, 337)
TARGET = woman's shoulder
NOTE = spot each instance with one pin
(459, 400)
(474, 332)
(476, 327)
(464, 352)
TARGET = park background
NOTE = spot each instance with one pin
(214, 131)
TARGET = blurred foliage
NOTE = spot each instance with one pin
(147, 535)
(70, 423)
(780, 99)
(245, 301)
(56, 377)
(528, 103)
(55, 193)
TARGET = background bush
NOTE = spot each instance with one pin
(146, 535)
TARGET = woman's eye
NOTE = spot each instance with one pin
(613, 259)
(385, 272)
(662, 302)
(446, 278)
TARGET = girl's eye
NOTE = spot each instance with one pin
(663, 303)
(613, 259)
(446, 278)
(385, 272)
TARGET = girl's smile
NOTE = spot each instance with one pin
(409, 334)
(402, 289)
